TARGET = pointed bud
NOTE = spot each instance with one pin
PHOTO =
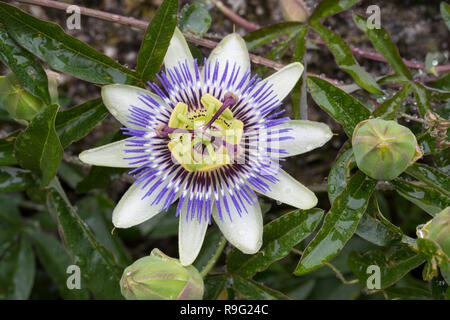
(160, 277)
(384, 149)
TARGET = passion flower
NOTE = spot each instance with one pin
(211, 139)
(160, 277)
(383, 149)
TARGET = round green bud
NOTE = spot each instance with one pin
(438, 230)
(160, 277)
(383, 149)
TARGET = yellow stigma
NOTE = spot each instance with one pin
(202, 148)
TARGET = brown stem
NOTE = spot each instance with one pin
(234, 17)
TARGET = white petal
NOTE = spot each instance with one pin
(178, 51)
(244, 232)
(191, 234)
(308, 135)
(284, 79)
(290, 191)
(119, 97)
(132, 209)
(108, 155)
(233, 49)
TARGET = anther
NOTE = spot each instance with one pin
(229, 100)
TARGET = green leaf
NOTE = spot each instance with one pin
(430, 176)
(339, 225)
(38, 147)
(345, 59)
(73, 124)
(300, 91)
(215, 285)
(55, 261)
(7, 157)
(445, 12)
(279, 237)
(388, 108)
(60, 51)
(421, 98)
(25, 66)
(195, 19)
(340, 105)
(252, 290)
(265, 35)
(339, 173)
(17, 271)
(94, 211)
(382, 42)
(14, 179)
(429, 199)
(157, 39)
(375, 228)
(328, 8)
(99, 269)
(394, 264)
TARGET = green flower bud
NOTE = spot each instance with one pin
(438, 230)
(384, 149)
(159, 277)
